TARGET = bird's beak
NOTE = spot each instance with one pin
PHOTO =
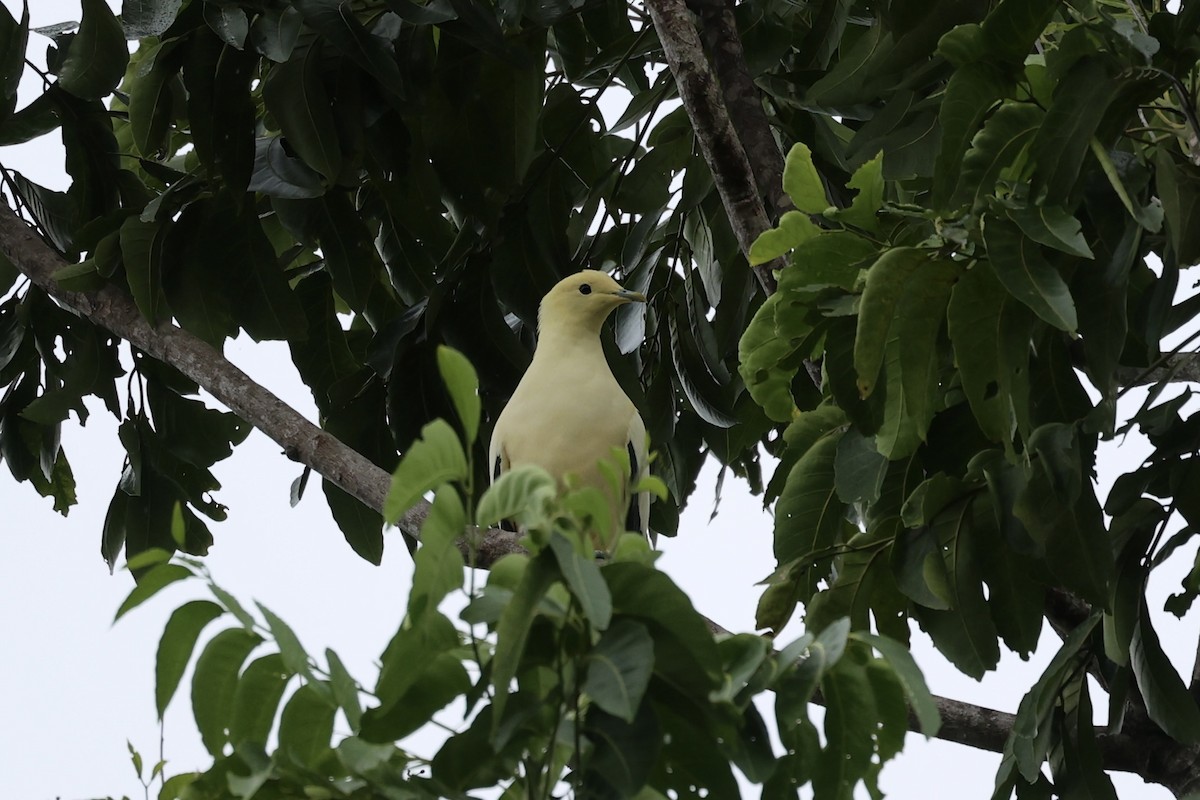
(630, 296)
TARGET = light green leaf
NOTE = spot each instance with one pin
(516, 494)
(151, 584)
(802, 182)
(512, 631)
(794, 229)
(619, 668)
(214, 685)
(868, 180)
(176, 645)
(436, 458)
(887, 282)
(463, 384)
(438, 566)
(1025, 272)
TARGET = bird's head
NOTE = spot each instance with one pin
(583, 300)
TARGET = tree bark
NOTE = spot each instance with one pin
(719, 143)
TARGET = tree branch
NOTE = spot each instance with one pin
(744, 102)
(719, 143)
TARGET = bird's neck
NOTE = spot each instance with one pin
(578, 343)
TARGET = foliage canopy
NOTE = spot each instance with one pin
(986, 211)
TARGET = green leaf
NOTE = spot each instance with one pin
(463, 384)
(868, 180)
(802, 182)
(585, 582)
(295, 95)
(97, 56)
(295, 657)
(350, 255)
(362, 526)
(972, 91)
(151, 100)
(306, 725)
(619, 669)
(809, 516)
(512, 631)
(887, 282)
(372, 53)
(1051, 226)
(151, 583)
(915, 689)
(859, 468)
(345, 690)
(1013, 27)
(438, 564)
(214, 685)
(176, 645)
(1060, 145)
(436, 458)
(1178, 184)
(990, 332)
(521, 491)
(850, 721)
(1168, 701)
(144, 18)
(229, 23)
(256, 700)
(1026, 273)
(1000, 144)
(142, 252)
(14, 37)
(793, 230)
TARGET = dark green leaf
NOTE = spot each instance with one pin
(296, 96)
(1168, 701)
(97, 56)
(619, 669)
(256, 700)
(1026, 273)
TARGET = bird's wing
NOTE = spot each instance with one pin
(639, 467)
(497, 458)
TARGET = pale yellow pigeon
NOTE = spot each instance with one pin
(568, 411)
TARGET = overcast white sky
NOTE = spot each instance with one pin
(78, 687)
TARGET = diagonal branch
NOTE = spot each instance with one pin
(743, 101)
(113, 310)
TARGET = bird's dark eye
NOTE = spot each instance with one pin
(585, 288)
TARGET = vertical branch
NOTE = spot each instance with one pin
(719, 143)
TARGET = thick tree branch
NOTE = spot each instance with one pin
(744, 102)
(719, 142)
(1181, 367)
